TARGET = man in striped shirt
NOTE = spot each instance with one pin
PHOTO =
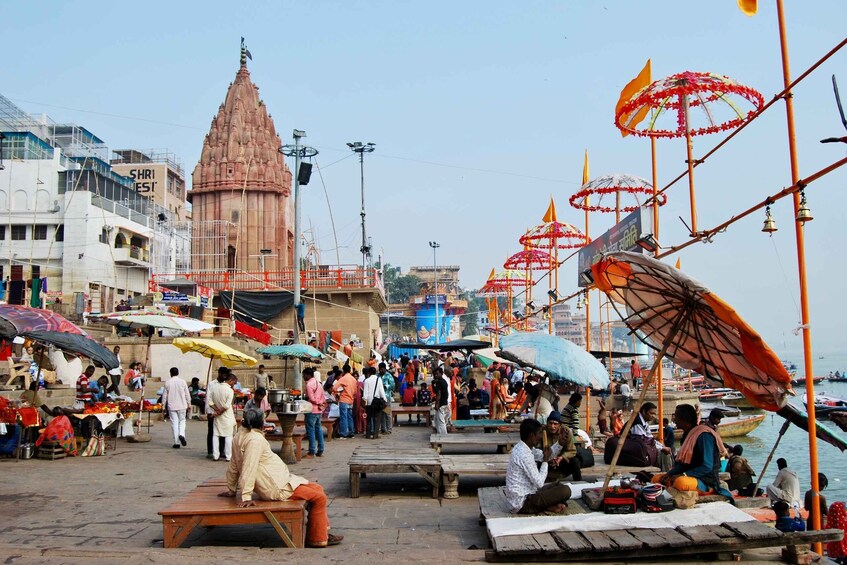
(84, 394)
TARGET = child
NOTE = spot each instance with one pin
(784, 521)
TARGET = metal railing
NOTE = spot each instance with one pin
(321, 277)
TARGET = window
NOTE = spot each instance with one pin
(18, 233)
(2, 232)
(36, 271)
(104, 236)
(60, 233)
(39, 232)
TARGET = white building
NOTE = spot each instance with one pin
(74, 221)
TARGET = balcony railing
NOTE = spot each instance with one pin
(315, 278)
(131, 256)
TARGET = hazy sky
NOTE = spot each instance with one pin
(480, 111)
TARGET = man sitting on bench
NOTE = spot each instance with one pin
(258, 471)
(526, 492)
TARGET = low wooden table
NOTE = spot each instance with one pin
(454, 465)
(203, 507)
(503, 442)
(424, 411)
(423, 461)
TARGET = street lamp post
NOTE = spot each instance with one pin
(298, 152)
(435, 246)
(361, 149)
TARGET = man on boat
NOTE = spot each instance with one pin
(698, 460)
(526, 492)
(786, 485)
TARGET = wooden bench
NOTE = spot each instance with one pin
(298, 441)
(454, 465)
(203, 507)
(424, 411)
(368, 459)
(649, 543)
(326, 422)
(488, 425)
(495, 465)
(503, 442)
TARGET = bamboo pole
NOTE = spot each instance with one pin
(801, 271)
(681, 319)
(770, 456)
(689, 148)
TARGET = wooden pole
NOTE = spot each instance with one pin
(770, 456)
(681, 319)
(689, 148)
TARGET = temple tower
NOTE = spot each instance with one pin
(241, 188)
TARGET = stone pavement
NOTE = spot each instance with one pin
(104, 509)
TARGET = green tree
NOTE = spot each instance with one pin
(399, 288)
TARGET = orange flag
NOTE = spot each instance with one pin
(550, 215)
(643, 79)
(679, 263)
(749, 7)
(491, 276)
(585, 177)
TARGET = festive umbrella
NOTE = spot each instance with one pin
(294, 351)
(530, 260)
(669, 310)
(19, 320)
(153, 318)
(719, 97)
(79, 344)
(617, 185)
(555, 235)
(680, 317)
(213, 349)
(556, 356)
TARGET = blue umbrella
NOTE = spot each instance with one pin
(556, 356)
(295, 351)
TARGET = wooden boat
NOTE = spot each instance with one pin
(731, 427)
(802, 380)
(714, 394)
(737, 400)
(826, 404)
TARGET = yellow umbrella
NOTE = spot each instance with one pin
(213, 349)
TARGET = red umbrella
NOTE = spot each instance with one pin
(719, 98)
(617, 185)
(18, 320)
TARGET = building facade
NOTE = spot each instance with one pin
(73, 225)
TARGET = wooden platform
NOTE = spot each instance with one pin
(203, 507)
(452, 466)
(410, 411)
(493, 504)
(420, 460)
(503, 442)
(649, 543)
(493, 425)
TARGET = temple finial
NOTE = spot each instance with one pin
(245, 54)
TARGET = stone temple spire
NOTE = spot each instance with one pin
(242, 178)
(242, 143)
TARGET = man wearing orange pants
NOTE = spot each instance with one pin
(259, 473)
(698, 459)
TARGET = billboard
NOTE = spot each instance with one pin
(621, 237)
(426, 327)
(150, 178)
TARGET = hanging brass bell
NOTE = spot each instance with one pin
(770, 223)
(803, 213)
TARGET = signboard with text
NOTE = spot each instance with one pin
(149, 178)
(621, 237)
(442, 299)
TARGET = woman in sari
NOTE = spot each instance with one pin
(499, 397)
(359, 415)
(60, 431)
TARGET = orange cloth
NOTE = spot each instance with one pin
(317, 529)
(349, 386)
(682, 482)
(687, 450)
(410, 373)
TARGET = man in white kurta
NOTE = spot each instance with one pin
(177, 398)
(220, 401)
